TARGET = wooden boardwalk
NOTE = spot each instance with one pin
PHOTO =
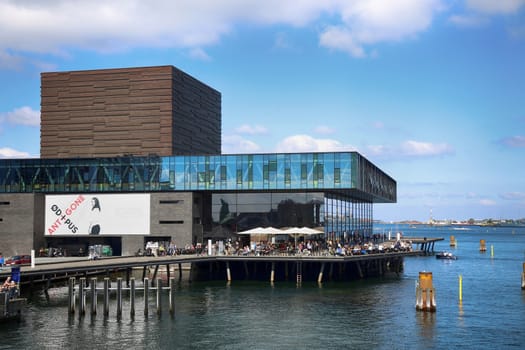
(49, 270)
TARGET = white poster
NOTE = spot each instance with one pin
(97, 214)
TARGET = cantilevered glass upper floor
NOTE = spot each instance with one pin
(345, 173)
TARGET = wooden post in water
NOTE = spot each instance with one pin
(119, 298)
(452, 241)
(93, 287)
(320, 277)
(172, 297)
(159, 296)
(482, 245)
(425, 294)
(106, 296)
(132, 297)
(71, 294)
(82, 296)
(146, 295)
(523, 277)
(272, 274)
(228, 272)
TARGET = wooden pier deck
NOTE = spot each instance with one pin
(226, 267)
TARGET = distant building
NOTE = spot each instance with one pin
(130, 156)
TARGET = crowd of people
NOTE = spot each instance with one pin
(314, 247)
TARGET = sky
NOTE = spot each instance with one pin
(430, 91)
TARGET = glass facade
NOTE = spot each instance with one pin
(333, 190)
(345, 173)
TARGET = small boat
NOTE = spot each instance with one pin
(446, 256)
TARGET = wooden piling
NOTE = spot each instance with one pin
(452, 241)
(119, 298)
(228, 272)
(71, 294)
(272, 274)
(482, 245)
(82, 296)
(93, 287)
(146, 295)
(523, 277)
(106, 296)
(425, 293)
(172, 297)
(320, 276)
(159, 295)
(132, 297)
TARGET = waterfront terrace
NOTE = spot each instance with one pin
(277, 267)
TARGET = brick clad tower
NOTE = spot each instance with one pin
(138, 111)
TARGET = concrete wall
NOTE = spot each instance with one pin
(172, 215)
(17, 220)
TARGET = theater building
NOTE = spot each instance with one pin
(132, 155)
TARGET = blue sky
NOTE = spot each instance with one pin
(431, 91)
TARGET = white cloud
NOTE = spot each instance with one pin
(417, 148)
(55, 26)
(495, 6)
(467, 20)
(409, 149)
(199, 54)
(236, 144)
(513, 196)
(22, 116)
(367, 22)
(487, 202)
(514, 141)
(7, 152)
(378, 125)
(324, 130)
(251, 129)
(306, 143)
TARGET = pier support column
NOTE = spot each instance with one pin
(132, 298)
(359, 270)
(119, 298)
(106, 296)
(93, 287)
(228, 272)
(71, 294)
(172, 297)
(159, 296)
(146, 296)
(82, 296)
(272, 274)
(320, 277)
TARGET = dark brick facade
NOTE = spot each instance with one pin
(138, 111)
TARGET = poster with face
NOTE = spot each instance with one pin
(97, 214)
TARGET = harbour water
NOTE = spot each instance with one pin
(373, 314)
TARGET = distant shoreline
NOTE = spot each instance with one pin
(448, 225)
